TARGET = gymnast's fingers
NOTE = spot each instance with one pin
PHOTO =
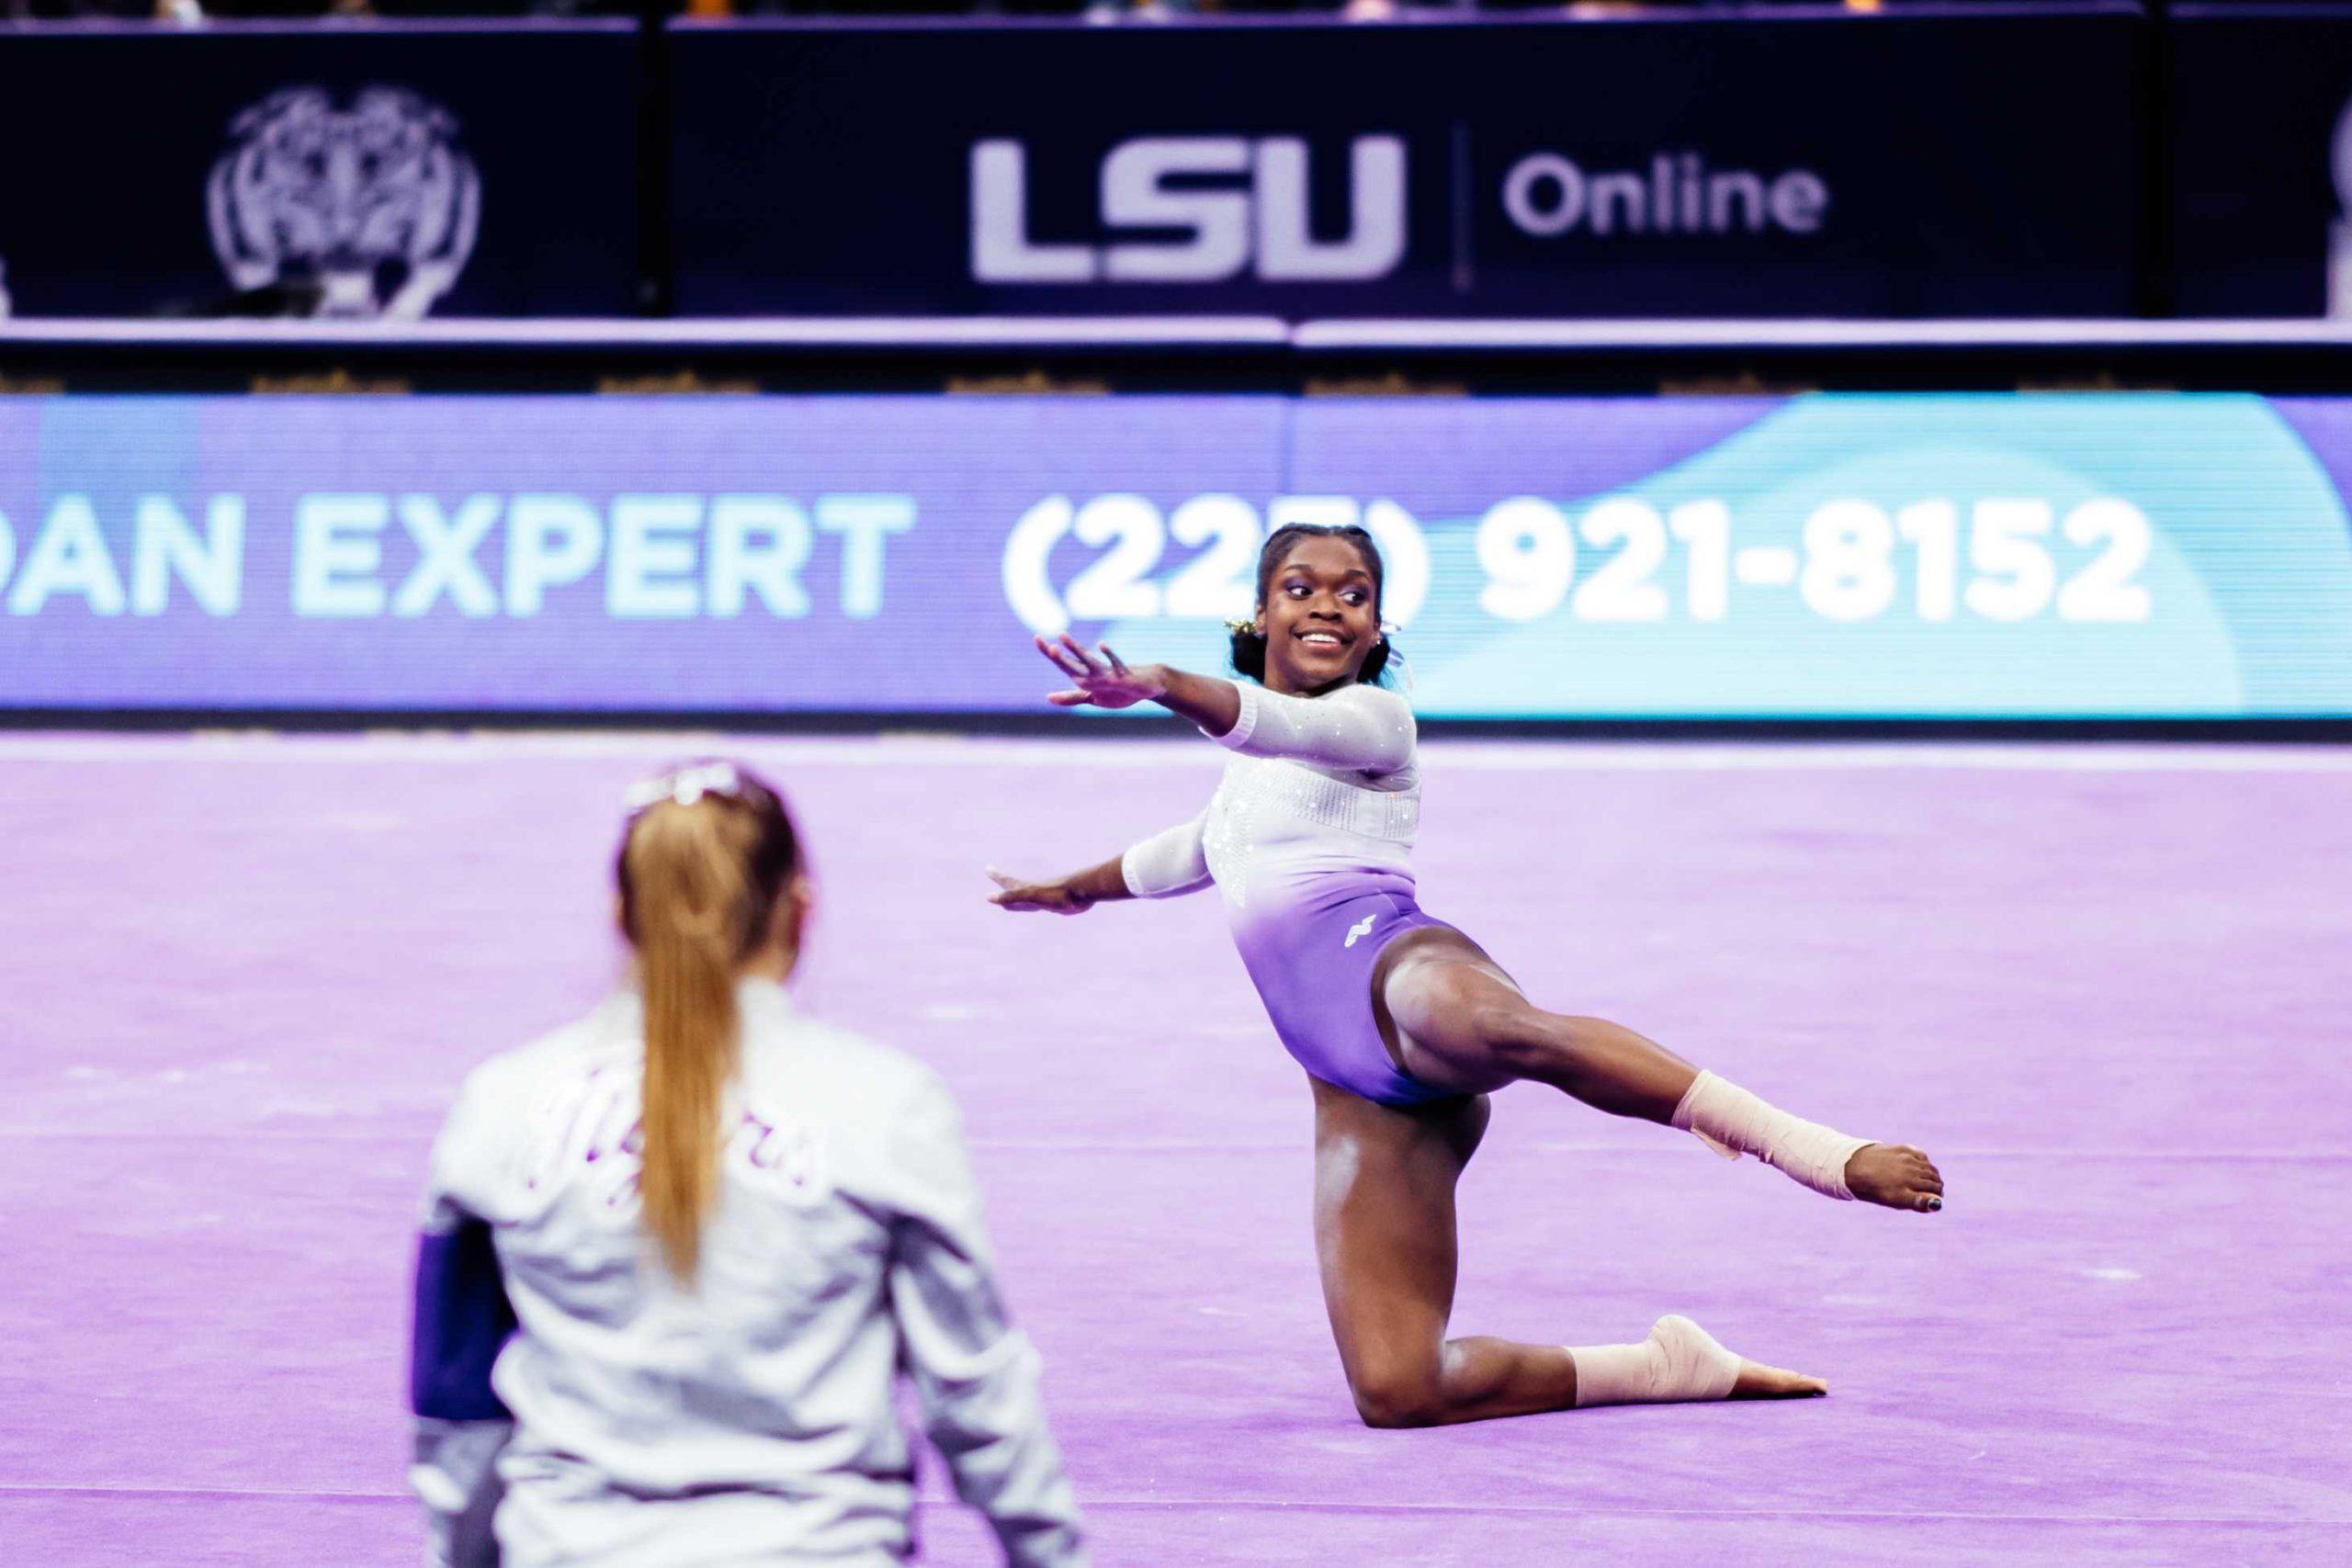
(1067, 699)
(1072, 661)
(1061, 661)
(1085, 659)
(1117, 667)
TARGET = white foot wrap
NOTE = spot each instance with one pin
(1679, 1361)
(1734, 1122)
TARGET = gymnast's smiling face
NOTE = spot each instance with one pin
(1320, 615)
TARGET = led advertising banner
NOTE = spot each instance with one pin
(1922, 160)
(2140, 555)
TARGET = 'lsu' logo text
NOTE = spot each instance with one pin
(1256, 224)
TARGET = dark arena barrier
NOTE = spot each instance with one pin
(2062, 161)
(382, 170)
(1934, 160)
(1976, 161)
(2258, 177)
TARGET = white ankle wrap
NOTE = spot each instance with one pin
(1736, 1123)
(1679, 1361)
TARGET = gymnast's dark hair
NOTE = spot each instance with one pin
(1250, 644)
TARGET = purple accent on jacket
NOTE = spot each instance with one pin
(463, 1319)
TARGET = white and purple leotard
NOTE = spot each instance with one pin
(1309, 838)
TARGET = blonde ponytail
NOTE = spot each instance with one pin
(698, 886)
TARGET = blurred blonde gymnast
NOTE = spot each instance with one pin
(675, 1255)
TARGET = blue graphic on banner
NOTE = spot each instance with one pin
(2085, 555)
(1911, 554)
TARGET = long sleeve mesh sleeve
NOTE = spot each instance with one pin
(1365, 728)
(1168, 862)
(975, 1375)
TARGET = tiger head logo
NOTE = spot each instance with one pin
(374, 204)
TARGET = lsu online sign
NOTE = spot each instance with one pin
(1713, 162)
(1982, 554)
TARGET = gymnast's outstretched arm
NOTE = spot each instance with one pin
(1363, 727)
(1166, 863)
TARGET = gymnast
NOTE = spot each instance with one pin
(724, 1228)
(1403, 1023)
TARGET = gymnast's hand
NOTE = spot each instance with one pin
(1059, 898)
(1102, 682)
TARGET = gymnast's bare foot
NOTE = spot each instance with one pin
(1758, 1381)
(1895, 1176)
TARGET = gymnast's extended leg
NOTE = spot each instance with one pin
(1384, 1235)
(1454, 1019)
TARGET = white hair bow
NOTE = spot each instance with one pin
(685, 785)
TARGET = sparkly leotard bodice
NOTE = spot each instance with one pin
(1319, 788)
(1309, 839)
